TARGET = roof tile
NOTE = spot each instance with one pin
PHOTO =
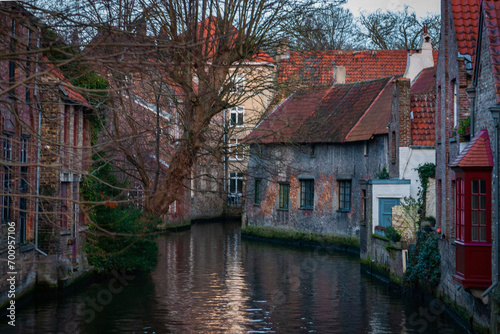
(477, 153)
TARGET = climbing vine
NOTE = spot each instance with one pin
(425, 172)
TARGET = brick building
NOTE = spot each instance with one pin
(465, 136)
(45, 136)
(469, 169)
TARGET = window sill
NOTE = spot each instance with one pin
(306, 208)
(256, 204)
(281, 209)
(65, 233)
(344, 210)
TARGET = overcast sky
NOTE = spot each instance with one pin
(421, 7)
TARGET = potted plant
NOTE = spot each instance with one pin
(380, 230)
(394, 236)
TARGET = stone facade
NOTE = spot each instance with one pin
(328, 165)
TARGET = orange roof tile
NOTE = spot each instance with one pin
(477, 153)
(316, 68)
(69, 89)
(423, 98)
(337, 114)
(465, 19)
(491, 15)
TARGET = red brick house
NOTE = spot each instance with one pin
(476, 173)
(466, 157)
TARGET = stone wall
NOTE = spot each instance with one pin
(327, 164)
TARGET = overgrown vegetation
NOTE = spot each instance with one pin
(425, 172)
(383, 174)
(392, 234)
(423, 268)
(120, 236)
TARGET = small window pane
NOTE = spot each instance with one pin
(474, 202)
(474, 233)
(475, 186)
(475, 219)
(483, 187)
(482, 218)
(482, 202)
(483, 233)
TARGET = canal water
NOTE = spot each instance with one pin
(208, 280)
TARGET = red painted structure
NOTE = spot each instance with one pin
(473, 213)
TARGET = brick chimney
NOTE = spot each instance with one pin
(282, 51)
(404, 109)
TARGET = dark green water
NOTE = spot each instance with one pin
(210, 281)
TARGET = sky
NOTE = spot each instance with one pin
(421, 7)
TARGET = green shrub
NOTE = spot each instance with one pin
(392, 234)
(425, 259)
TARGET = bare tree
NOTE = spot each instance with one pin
(397, 30)
(321, 27)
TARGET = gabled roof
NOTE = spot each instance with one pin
(316, 68)
(425, 81)
(477, 153)
(466, 19)
(67, 88)
(491, 16)
(342, 113)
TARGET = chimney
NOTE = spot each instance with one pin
(282, 52)
(338, 75)
(420, 59)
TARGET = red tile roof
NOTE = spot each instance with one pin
(423, 98)
(316, 68)
(491, 14)
(466, 19)
(69, 89)
(337, 114)
(477, 153)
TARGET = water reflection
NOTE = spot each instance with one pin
(209, 281)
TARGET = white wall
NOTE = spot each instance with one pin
(387, 189)
(411, 158)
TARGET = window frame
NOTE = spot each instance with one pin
(235, 192)
(257, 190)
(307, 194)
(239, 117)
(343, 192)
(235, 150)
(283, 196)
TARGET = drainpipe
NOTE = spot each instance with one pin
(38, 157)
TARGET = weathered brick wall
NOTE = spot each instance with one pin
(450, 68)
(278, 163)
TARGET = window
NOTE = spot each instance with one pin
(235, 150)
(365, 148)
(284, 196)
(236, 116)
(22, 220)
(6, 179)
(203, 178)
(238, 83)
(460, 207)
(257, 191)
(23, 184)
(478, 221)
(307, 194)
(213, 179)
(345, 195)
(235, 189)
